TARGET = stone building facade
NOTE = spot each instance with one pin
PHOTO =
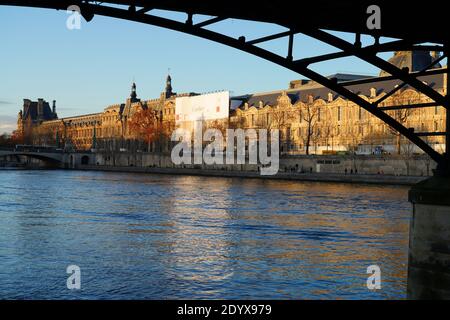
(108, 130)
(309, 114)
(312, 119)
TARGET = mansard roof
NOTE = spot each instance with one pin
(435, 81)
(30, 110)
(413, 60)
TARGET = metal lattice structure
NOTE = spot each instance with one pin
(409, 27)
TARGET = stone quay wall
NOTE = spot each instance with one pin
(419, 166)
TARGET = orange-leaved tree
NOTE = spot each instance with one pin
(147, 125)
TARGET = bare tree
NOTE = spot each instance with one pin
(310, 113)
(44, 135)
(7, 140)
(352, 138)
(402, 116)
(327, 134)
(221, 125)
(408, 152)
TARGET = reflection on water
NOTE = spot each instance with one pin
(139, 236)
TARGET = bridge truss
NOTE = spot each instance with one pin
(321, 18)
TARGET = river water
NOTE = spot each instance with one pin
(143, 236)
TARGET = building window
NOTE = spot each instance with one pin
(339, 113)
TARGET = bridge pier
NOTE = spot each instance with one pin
(429, 240)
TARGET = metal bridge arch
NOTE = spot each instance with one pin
(346, 16)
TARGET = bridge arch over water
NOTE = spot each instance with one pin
(322, 16)
(54, 158)
(418, 26)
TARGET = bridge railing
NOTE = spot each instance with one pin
(32, 148)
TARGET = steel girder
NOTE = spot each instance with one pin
(368, 54)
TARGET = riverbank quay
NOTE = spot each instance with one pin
(312, 177)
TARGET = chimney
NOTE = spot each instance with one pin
(26, 105)
(330, 97)
(54, 106)
(40, 107)
(373, 92)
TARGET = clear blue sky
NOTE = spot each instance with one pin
(86, 70)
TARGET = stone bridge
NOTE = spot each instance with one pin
(59, 159)
(44, 156)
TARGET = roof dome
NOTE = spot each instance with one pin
(413, 60)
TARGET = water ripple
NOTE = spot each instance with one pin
(138, 236)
